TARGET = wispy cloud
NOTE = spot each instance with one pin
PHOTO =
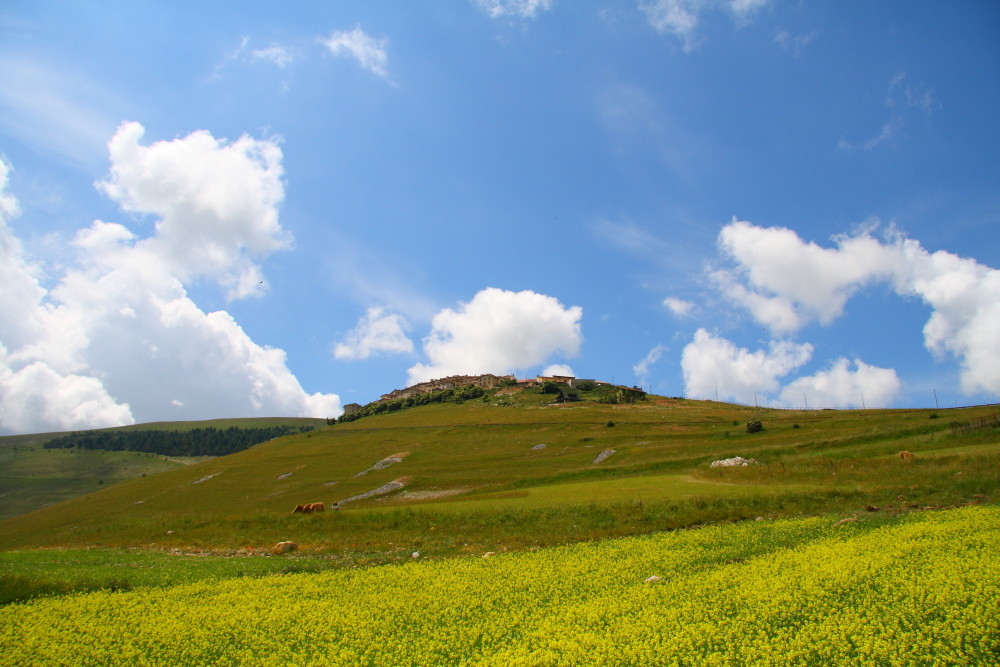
(794, 44)
(642, 368)
(368, 51)
(681, 17)
(678, 307)
(526, 9)
(678, 256)
(278, 55)
(903, 93)
(57, 110)
(904, 98)
(678, 17)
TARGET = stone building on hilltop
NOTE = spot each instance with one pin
(486, 381)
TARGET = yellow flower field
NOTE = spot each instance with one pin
(919, 590)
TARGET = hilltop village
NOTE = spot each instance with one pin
(569, 387)
(485, 381)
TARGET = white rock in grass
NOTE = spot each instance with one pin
(603, 455)
(735, 462)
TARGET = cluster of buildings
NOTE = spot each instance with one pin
(486, 381)
(569, 386)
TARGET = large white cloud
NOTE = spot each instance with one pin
(36, 394)
(35, 398)
(216, 202)
(714, 366)
(785, 283)
(790, 281)
(117, 338)
(499, 332)
(965, 321)
(20, 323)
(839, 386)
(377, 331)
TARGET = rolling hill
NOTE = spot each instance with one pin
(826, 548)
(512, 470)
(35, 475)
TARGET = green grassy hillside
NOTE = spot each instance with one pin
(476, 478)
(33, 477)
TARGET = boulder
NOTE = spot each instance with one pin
(284, 547)
(735, 462)
(604, 455)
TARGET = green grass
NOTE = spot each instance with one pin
(32, 477)
(647, 488)
(476, 484)
(51, 572)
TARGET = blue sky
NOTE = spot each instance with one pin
(240, 209)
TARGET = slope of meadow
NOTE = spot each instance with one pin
(520, 532)
(33, 476)
(477, 477)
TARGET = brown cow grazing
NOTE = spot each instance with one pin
(309, 508)
(906, 456)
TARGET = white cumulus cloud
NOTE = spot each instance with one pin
(712, 364)
(839, 386)
(965, 298)
(499, 331)
(368, 51)
(117, 339)
(786, 282)
(216, 202)
(35, 398)
(40, 394)
(377, 331)
(563, 370)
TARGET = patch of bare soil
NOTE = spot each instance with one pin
(385, 463)
(429, 494)
(394, 485)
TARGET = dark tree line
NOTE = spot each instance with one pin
(208, 441)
